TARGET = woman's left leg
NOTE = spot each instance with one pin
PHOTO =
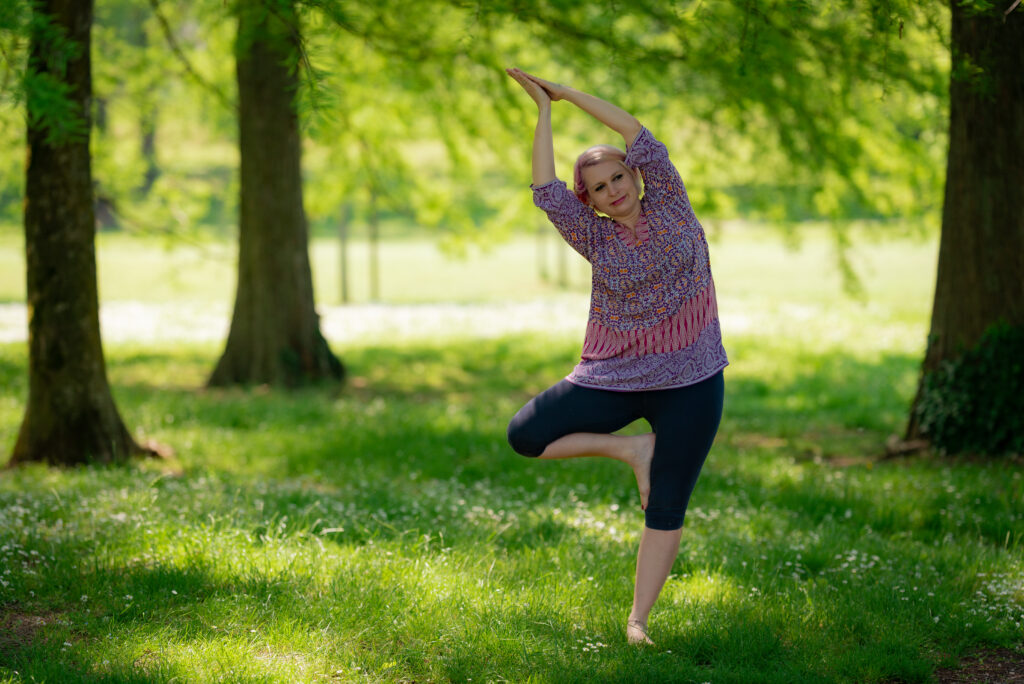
(570, 421)
(685, 421)
(636, 451)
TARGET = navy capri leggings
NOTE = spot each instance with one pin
(684, 421)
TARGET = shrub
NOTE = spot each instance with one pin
(975, 403)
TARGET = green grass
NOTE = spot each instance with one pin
(386, 532)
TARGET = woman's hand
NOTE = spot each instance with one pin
(534, 89)
(555, 91)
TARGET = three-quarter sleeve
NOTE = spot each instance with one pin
(575, 221)
(661, 180)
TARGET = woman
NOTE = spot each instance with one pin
(653, 346)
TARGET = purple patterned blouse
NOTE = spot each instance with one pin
(653, 320)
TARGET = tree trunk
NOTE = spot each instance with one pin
(275, 331)
(343, 230)
(70, 417)
(374, 235)
(980, 277)
(147, 147)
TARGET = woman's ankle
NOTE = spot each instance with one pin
(637, 618)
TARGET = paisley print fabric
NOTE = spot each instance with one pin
(653, 319)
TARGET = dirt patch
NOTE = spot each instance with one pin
(148, 661)
(18, 629)
(996, 666)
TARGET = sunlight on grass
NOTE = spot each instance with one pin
(704, 588)
(385, 531)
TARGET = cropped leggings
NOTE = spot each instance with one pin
(684, 421)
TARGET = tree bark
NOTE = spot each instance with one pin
(980, 278)
(275, 331)
(70, 417)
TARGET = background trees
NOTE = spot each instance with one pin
(70, 416)
(275, 334)
(783, 112)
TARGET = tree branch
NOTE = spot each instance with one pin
(165, 26)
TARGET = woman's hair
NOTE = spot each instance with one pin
(592, 157)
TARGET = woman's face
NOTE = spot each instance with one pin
(612, 188)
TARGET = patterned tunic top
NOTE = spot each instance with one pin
(653, 320)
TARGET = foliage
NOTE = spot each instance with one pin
(974, 403)
(42, 88)
(791, 111)
(843, 101)
(142, 85)
(49, 97)
(402, 118)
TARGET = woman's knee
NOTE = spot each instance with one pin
(664, 518)
(524, 440)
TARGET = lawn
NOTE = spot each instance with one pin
(385, 532)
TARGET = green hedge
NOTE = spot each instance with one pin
(975, 403)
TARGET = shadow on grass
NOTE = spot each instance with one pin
(368, 604)
(819, 392)
(479, 384)
(154, 616)
(439, 412)
(420, 429)
(159, 623)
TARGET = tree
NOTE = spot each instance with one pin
(70, 416)
(275, 331)
(980, 279)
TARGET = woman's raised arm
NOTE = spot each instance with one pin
(615, 118)
(543, 147)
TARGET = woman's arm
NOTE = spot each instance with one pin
(615, 118)
(576, 222)
(543, 147)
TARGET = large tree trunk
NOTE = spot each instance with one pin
(981, 254)
(70, 417)
(275, 331)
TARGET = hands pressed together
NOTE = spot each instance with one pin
(542, 91)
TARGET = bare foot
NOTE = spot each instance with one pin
(636, 633)
(640, 460)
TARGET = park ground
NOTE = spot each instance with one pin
(385, 531)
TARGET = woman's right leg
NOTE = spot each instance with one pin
(569, 421)
(654, 559)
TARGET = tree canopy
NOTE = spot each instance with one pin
(778, 111)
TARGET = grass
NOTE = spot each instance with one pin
(386, 532)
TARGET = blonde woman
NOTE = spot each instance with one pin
(653, 345)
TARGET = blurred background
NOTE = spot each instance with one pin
(811, 139)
